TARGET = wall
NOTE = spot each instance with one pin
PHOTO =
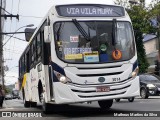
(151, 46)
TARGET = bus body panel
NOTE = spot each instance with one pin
(27, 88)
(39, 76)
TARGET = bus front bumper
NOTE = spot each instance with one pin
(66, 94)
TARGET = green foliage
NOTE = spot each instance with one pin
(141, 25)
(142, 60)
(7, 89)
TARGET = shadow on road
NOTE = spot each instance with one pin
(78, 111)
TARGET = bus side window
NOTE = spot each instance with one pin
(32, 54)
(34, 51)
(39, 47)
(27, 62)
(46, 51)
(20, 67)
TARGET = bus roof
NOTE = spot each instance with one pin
(62, 2)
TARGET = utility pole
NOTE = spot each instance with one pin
(1, 49)
(3, 16)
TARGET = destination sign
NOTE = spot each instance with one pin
(90, 11)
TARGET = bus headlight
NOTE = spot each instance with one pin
(62, 78)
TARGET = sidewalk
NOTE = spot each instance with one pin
(4, 106)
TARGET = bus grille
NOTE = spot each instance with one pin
(102, 74)
(102, 95)
(91, 91)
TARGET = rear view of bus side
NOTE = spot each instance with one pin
(81, 52)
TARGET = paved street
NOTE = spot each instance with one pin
(91, 111)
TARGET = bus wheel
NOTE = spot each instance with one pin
(105, 104)
(33, 104)
(26, 104)
(117, 100)
(45, 106)
(131, 99)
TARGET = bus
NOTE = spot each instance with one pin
(82, 51)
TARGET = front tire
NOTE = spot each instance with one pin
(144, 93)
(117, 100)
(33, 104)
(26, 104)
(105, 104)
(131, 99)
(45, 106)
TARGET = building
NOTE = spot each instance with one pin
(151, 46)
(2, 12)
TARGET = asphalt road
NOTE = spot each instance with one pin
(91, 111)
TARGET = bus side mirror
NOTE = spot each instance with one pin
(47, 34)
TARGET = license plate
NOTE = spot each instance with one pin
(103, 89)
(158, 89)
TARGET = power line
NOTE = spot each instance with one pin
(5, 10)
(16, 38)
(30, 16)
(15, 52)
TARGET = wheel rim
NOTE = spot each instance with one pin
(105, 104)
(42, 98)
(131, 99)
(143, 93)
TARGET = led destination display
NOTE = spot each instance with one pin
(90, 11)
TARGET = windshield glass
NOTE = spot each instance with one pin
(92, 42)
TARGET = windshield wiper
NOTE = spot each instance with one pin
(80, 28)
(114, 32)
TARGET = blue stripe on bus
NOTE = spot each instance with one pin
(135, 65)
(57, 68)
(55, 79)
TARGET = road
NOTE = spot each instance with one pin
(91, 111)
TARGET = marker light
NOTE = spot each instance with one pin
(134, 73)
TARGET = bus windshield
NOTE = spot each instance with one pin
(92, 41)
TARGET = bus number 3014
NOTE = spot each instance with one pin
(116, 79)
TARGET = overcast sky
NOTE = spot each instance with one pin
(31, 12)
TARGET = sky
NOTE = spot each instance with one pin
(31, 12)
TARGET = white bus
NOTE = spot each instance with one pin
(83, 51)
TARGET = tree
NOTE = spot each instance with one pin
(139, 17)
